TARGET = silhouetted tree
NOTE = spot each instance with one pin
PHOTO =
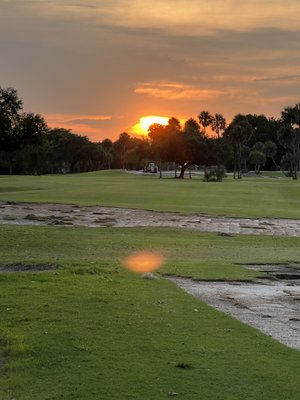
(286, 164)
(205, 119)
(218, 124)
(222, 151)
(271, 151)
(120, 148)
(238, 133)
(264, 128)
(289, 135)
(10, 112)
(194, 146)
(108, 149)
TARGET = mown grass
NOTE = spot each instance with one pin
(92, 330)
(250, 197)
(196, 254)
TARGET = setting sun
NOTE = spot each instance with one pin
(141, 128)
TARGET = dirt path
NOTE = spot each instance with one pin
(272, 306)
(96, 216)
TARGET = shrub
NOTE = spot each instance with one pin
(214, 174)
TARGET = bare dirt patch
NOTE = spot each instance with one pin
(270, 305)
(97, 216)
(19, 267)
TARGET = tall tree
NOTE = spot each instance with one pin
(238, 133)
(271, 151)
(120, 148)
(218, 124)
(10, 103)
(32, 129)
(205, 119)
(289, 135)
(264, 128)
(258, 159)
(159, 144)
(10, 112)
(108, 149)
(172, 144)
(194, 147)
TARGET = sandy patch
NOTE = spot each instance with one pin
(270, 305)
(97, 216)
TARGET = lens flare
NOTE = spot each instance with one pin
(143, 261)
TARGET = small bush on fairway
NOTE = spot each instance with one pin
(214, 174)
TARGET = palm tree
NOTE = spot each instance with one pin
(218, 124)
(289, 135)
(205, 119)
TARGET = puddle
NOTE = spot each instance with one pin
(272, 306)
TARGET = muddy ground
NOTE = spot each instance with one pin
(97, 216)
(270, 305)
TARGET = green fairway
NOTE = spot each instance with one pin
(250, 197)
(92, 330)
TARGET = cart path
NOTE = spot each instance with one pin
(98, 216)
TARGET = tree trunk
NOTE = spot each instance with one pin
(295, 164)
(234, 167)
(274, 162)
(183, 169)
(240, 163)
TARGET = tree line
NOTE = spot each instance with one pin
(29, 146)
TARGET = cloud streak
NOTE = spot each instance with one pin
(284, 78)
(177, 91)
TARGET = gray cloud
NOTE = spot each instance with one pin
(278, 78)
(84, 58)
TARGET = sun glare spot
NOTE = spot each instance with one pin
(143, 261)
(141, 128)
(145, 122)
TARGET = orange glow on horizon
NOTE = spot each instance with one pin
(81, 124)
(143, 261)
(141, 128)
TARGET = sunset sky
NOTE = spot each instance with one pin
(98, 66)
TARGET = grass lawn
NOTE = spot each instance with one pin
(250, 197)
(92, 330)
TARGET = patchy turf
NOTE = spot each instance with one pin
(93, 330)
